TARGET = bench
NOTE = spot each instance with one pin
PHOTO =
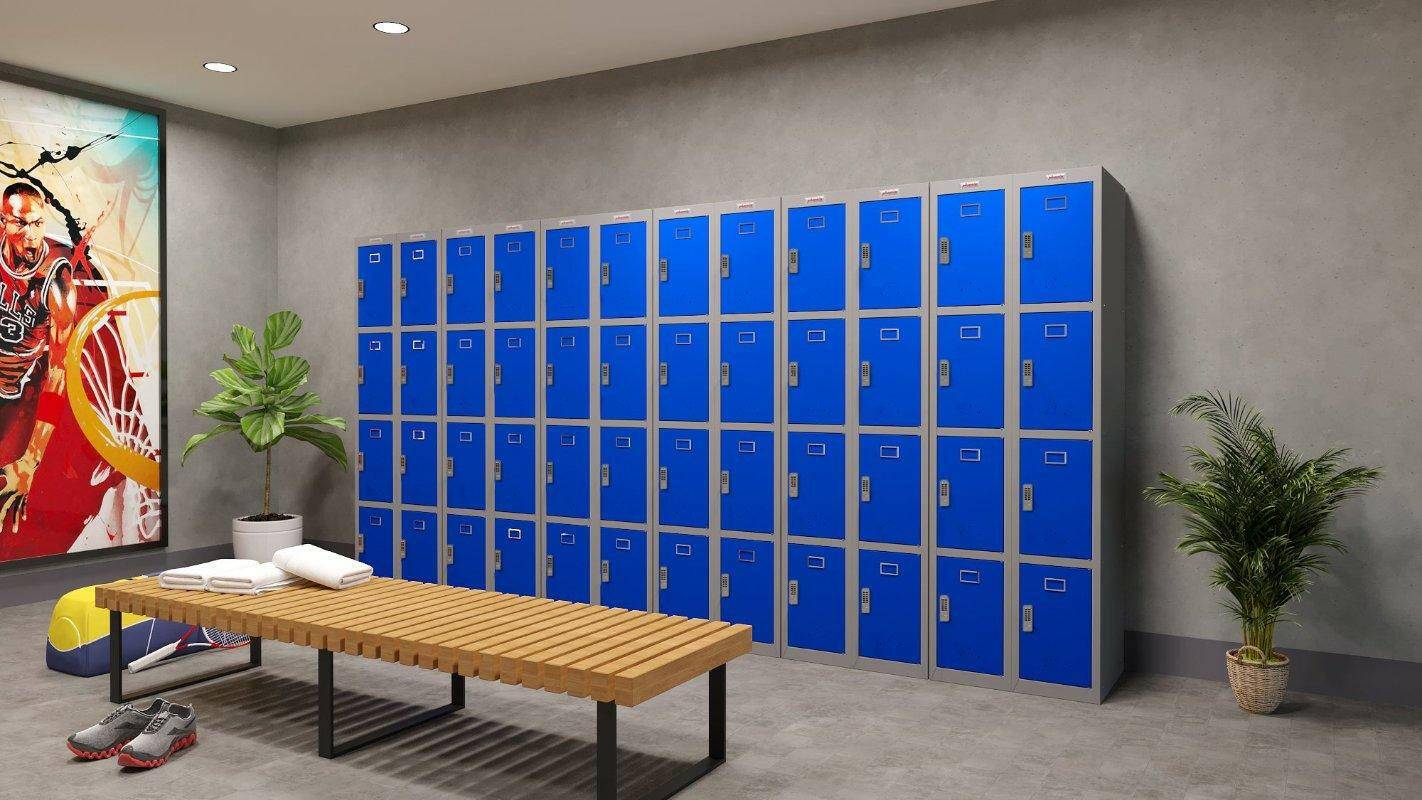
(613, 656)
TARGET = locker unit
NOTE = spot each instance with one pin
(623, 571)
(515, 557)
(566, 569)
(683, 387)
(683, 266)
(683, 463)
(890, 606)
(419, 281)
(515, 351)
(622, 475)
(969, 371)
(464, 373)
(565, 373)
(375, 461)
(565, 275)
(515, 455)
(969, 249)
(747, 481)
(515, 276)
(464, 471)
(968, 493)
(565, 471)
(814, 491)
(622, 268)
(419, 373)
(419, 546)
(1056, 370)
(1056, 256)
(747, 262)
(815, 258)
(890, 492)
(464, 559)
(815, 372)
(968, 615)
(375, 539)
(890, 371)
(374, 274)
(464, 275)
(891, 253)
(1054, 631)
(375, 365)
(419, 463)
(747, 585)
(622, 374)
(1055, 498)
(683, 575)
(814, 617)
(747, 371)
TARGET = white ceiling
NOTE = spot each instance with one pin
(307, 60)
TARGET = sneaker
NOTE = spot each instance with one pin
(172, 730)
(114, 731)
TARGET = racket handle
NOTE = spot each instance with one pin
(144, 662)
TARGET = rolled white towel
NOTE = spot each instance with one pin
(254, 579)
(322, 566)
(197, 576)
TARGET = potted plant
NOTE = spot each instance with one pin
(1263, 512)
(260, 399)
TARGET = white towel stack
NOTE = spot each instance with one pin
(253, 579)
(322, 566)
(197, 576)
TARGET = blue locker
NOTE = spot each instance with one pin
(1056, 371)
(622, 378)
(970, 250)
(970, 371)
(624, 569)
(748, 262)
(514, 354)
(684, 575)
(377, 540)
(464, 280)
(1054, 628)
(815, 495)
(514, 470)
(419, 463)
(623, 474)
(419, 283)
(748, 586)
(816, 372)
(1055, 500)
(682, 477)
(969, 615)
(889, 493)
(566, 570)
(969, 492)
(565, 373)
(515, 557)
(464, 465)
(419, 530)
(1055, 249)
(465, 537)
(747, 373)
(376, 460)
(890, 371)
(464, 373)
(814, 617)
(515, 277)
(419, 373)
(748, 483)
(891, 253)
(623, 271)
(375, 373)
(565, 473)
(374, 305)
(565, 278)
(683, 388)
(890, 606)
(815, 262)
(683, 260)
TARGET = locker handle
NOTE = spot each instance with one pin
(621, 544)
(889, 334)
(1054, 203)
(1055, 458)
(682, 549)
(745, 446)
(970, 576)
(815, 449)
(622, 442)
(970, 332)
(1054, 584)
(970, 454)
(888, 451)
(815, 562)
(889, 569)
(515, 533)
(466, 250)
(682, 444)
(745, 556)
(1055, 330)
(970, 210)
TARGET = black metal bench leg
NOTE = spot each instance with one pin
(326, 744)
(715, 757)
(718, 713)
(117, 665)
(606, 751)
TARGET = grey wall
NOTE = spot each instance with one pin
(1270, 150)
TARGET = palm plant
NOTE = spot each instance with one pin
(1261, 509)
(259, 398)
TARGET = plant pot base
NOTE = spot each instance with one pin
(259, 539)
(1258, 688)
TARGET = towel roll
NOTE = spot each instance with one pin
(254, 579)
(322, 566)
(197, 576)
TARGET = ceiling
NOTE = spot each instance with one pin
(311, 60)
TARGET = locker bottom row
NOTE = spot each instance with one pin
(969, 612)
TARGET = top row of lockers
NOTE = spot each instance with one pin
(1054, 244)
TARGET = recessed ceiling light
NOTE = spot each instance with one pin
(387, 26)
(218, 66)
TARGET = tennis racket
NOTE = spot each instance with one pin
(195, 640)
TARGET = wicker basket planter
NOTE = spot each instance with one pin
(1258, 688)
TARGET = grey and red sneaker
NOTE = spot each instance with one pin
(172, 730)
(114, 731)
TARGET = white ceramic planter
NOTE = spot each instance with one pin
(259, 540)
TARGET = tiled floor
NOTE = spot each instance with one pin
(797, 731)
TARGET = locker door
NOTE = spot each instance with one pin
(565, 565)
(970, 371)
(968, 493)
(969, 615)
(683, 256)
(464, 561)
(419, 531)
(623, 271)
(514, 354)
(814, 617)
(565, 472)
(891, 253)
(815, 262)
(1054, 624)
(890, 368)
(624, 569)
(375, 373)
(464, 373)
(464, 280)
(565, 374)
(684, 575)
(970, 250)
(682, 478)
(565, 278)
(419, 373)
(815, 492)
(747, 373)
(514, 557)
(683, 391)
(623, 474)
(419, 283)
(419, 463)
(374, 307)
(815, 377)
(748, 586)
(622, 376)
(890, 606)
(1056, 371)
(748, 481)
(464, 465)
(514, 468)
(376, 461)
(1055, 246)
(377, 540)
(889, 489)
(748, 262)
(515, 276)
(1055, 498)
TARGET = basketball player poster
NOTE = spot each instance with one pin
(81, 347)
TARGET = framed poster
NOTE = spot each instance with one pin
(81, 323)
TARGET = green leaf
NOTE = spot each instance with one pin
(198, 438)
(246, 364)
(245, 338)
(281, 330)
(227, 402)
(295, 404)
(317, 419)
(286, 373)
(264, 428)
(231, 379)
(325, 441)
(223, 416)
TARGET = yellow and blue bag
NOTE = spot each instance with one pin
(78, 641)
